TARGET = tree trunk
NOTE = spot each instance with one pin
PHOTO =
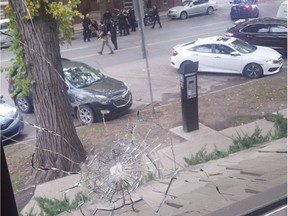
(43, 64)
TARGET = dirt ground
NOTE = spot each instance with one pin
(219, 110)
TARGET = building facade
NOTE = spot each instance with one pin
(86, 6)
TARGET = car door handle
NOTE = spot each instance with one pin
(195, 54)
(218, 57)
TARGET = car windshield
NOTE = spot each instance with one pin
(242, 46)
(185, 3)
(82, 76)
(244, 1)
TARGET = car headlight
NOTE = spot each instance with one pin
(269, 60)
(127, 87)
(103, 99)
(15, 114)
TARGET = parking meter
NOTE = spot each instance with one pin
(189, 95)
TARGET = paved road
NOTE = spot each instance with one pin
(128, 65)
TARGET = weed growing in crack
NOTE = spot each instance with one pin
(280, 125)
(149, 176)
(247, 141)
(202, 156)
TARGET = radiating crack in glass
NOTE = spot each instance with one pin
(111, 174)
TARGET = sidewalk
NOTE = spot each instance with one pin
(205, 188)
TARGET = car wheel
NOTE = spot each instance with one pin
(256, 14)
(234, 15)
(253, 71)
(148, 21)
(183, 15)
(24, 104)
(86, 115)
(210, 11)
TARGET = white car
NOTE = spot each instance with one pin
(192, 7)
(222, 54)
(5, 39)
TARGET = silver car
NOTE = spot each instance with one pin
(4, 38)
(11, 121)
(192, 7)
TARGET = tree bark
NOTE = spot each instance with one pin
(43, 64)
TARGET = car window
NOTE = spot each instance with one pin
(203, 1)
(237, 2)
(198, 2)
(275, 28)
(256, 28)
(206, 48)
(4, 25)
(222, 49)
(242, 46)
(249, 1)
(185, 3)
(82, 76)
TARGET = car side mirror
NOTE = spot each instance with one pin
(234, 54)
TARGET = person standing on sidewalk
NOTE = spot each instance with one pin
(104, 37)
(113, 34)
(156, 17)
(86, 23)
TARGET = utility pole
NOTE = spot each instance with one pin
(139, 12)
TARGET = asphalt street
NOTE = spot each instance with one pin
(127, 64)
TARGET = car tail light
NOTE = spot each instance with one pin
(174, 52)
(246, 7)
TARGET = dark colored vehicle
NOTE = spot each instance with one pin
(11, 121)
(268, 32)
(148, 17)
(90, 93)
(244, 9)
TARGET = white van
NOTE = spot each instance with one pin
(282, 11)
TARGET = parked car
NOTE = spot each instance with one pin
(192, 7)
(11, 121)
(6, 41)
(90, 93)
(220, 54)
(244, 9)
(262, 32)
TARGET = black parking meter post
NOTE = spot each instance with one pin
(189, 95)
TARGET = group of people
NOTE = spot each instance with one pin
(111, 24)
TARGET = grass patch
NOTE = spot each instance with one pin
(242, 142)
(201, 156)
(247, 141)
(149, 176)
(52, 207)
(238, 121)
